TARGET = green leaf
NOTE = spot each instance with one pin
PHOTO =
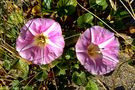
(7, 64)
(15, 88)
(102, 3)
(47, 4)
(23, 67)
(12, 34)
(66, 7)
(42, 75)
(131, 62)
(15, 83)
(100, 23)
(62, 72)
(15, 18)
(67, 57)
(123, 13)
(76, 66)
(45, 67)
(62, 69)
(79, 78)
(1, 52)
(91, 86)
(92, 2)
(85, 20)
(54, 63)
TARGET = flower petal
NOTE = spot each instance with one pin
(83, 41)
(39, 25)
(100, 34)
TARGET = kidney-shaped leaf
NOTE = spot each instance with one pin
(102, 3)
(91, 86)
(66, 7)
(79, 78)
(84, 20)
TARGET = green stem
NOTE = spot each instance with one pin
(117, 34)
(72, 36)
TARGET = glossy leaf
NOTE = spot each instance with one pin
(66, 7)
(102, 3)
(85, 20)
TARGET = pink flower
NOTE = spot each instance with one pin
(40, 41)
(97, 50)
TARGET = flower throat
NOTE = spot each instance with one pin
(40, 40)
(94, 51)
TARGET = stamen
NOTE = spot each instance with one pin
(94, 51)
(40, 40)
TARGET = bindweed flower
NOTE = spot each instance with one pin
(40, 41)
(97, 50)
